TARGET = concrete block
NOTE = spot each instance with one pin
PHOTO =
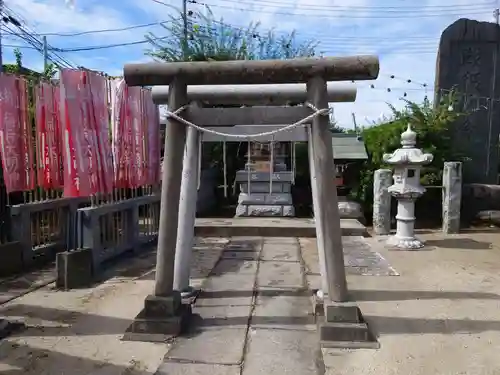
(8, 328)
(344, 332)
(74, 269)
(266, 210)
(241, 210)
(245, 198)
(11, 258)
(264, 187)
(242, 176)
(345, 312)
(162, 307)
(147, 328)
(288, 211)
(279, 199)
(351, 210)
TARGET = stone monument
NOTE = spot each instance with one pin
(468, 63)
(265, 183)
(407, 161)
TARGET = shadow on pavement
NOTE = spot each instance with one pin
(22, 359)
(459, 243)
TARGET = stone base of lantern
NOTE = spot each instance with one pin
(402, 243)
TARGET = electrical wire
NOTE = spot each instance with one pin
(351, 8)
(344, 13)
(30, 37)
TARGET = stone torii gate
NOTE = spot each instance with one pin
(163, 311)
(275, 95)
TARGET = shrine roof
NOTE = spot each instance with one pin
(348, 147)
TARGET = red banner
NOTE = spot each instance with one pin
(78, 164)
(48, 137)
(135, 140)
(118, 102)
(15, 135)
(137, 168)
(88, 152)
(100, 125)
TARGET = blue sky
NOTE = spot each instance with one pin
(403, 34)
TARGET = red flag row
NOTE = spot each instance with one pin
(76, 148)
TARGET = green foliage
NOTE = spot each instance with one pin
(32, 77)
(430, 122)
(212, 39)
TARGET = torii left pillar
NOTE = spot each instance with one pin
(163, 311)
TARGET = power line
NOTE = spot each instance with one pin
(353, 8)
(343, 13)
(30, 37)
(100, 31)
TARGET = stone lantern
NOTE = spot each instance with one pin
(407, 162)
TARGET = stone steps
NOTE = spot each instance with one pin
(270, 227)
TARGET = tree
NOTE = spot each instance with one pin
(431, 122)
(212, 39)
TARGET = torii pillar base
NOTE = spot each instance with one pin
(161, 319)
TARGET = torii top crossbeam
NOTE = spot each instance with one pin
(301, 70)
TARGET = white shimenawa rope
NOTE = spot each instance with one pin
(317, 112)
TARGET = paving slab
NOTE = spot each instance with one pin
(284, 312)
(222, 316)
(222, 346)
(239, 266)
(172, 368)
(279, 352)
(280, 252)
(274, 274)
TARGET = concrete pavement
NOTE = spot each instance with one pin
(440, 316)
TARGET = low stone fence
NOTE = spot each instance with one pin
(37, 231)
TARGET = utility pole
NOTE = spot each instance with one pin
(184, 18)
(354, 122)
(45, 54)
(496, 14)
(1, 25)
